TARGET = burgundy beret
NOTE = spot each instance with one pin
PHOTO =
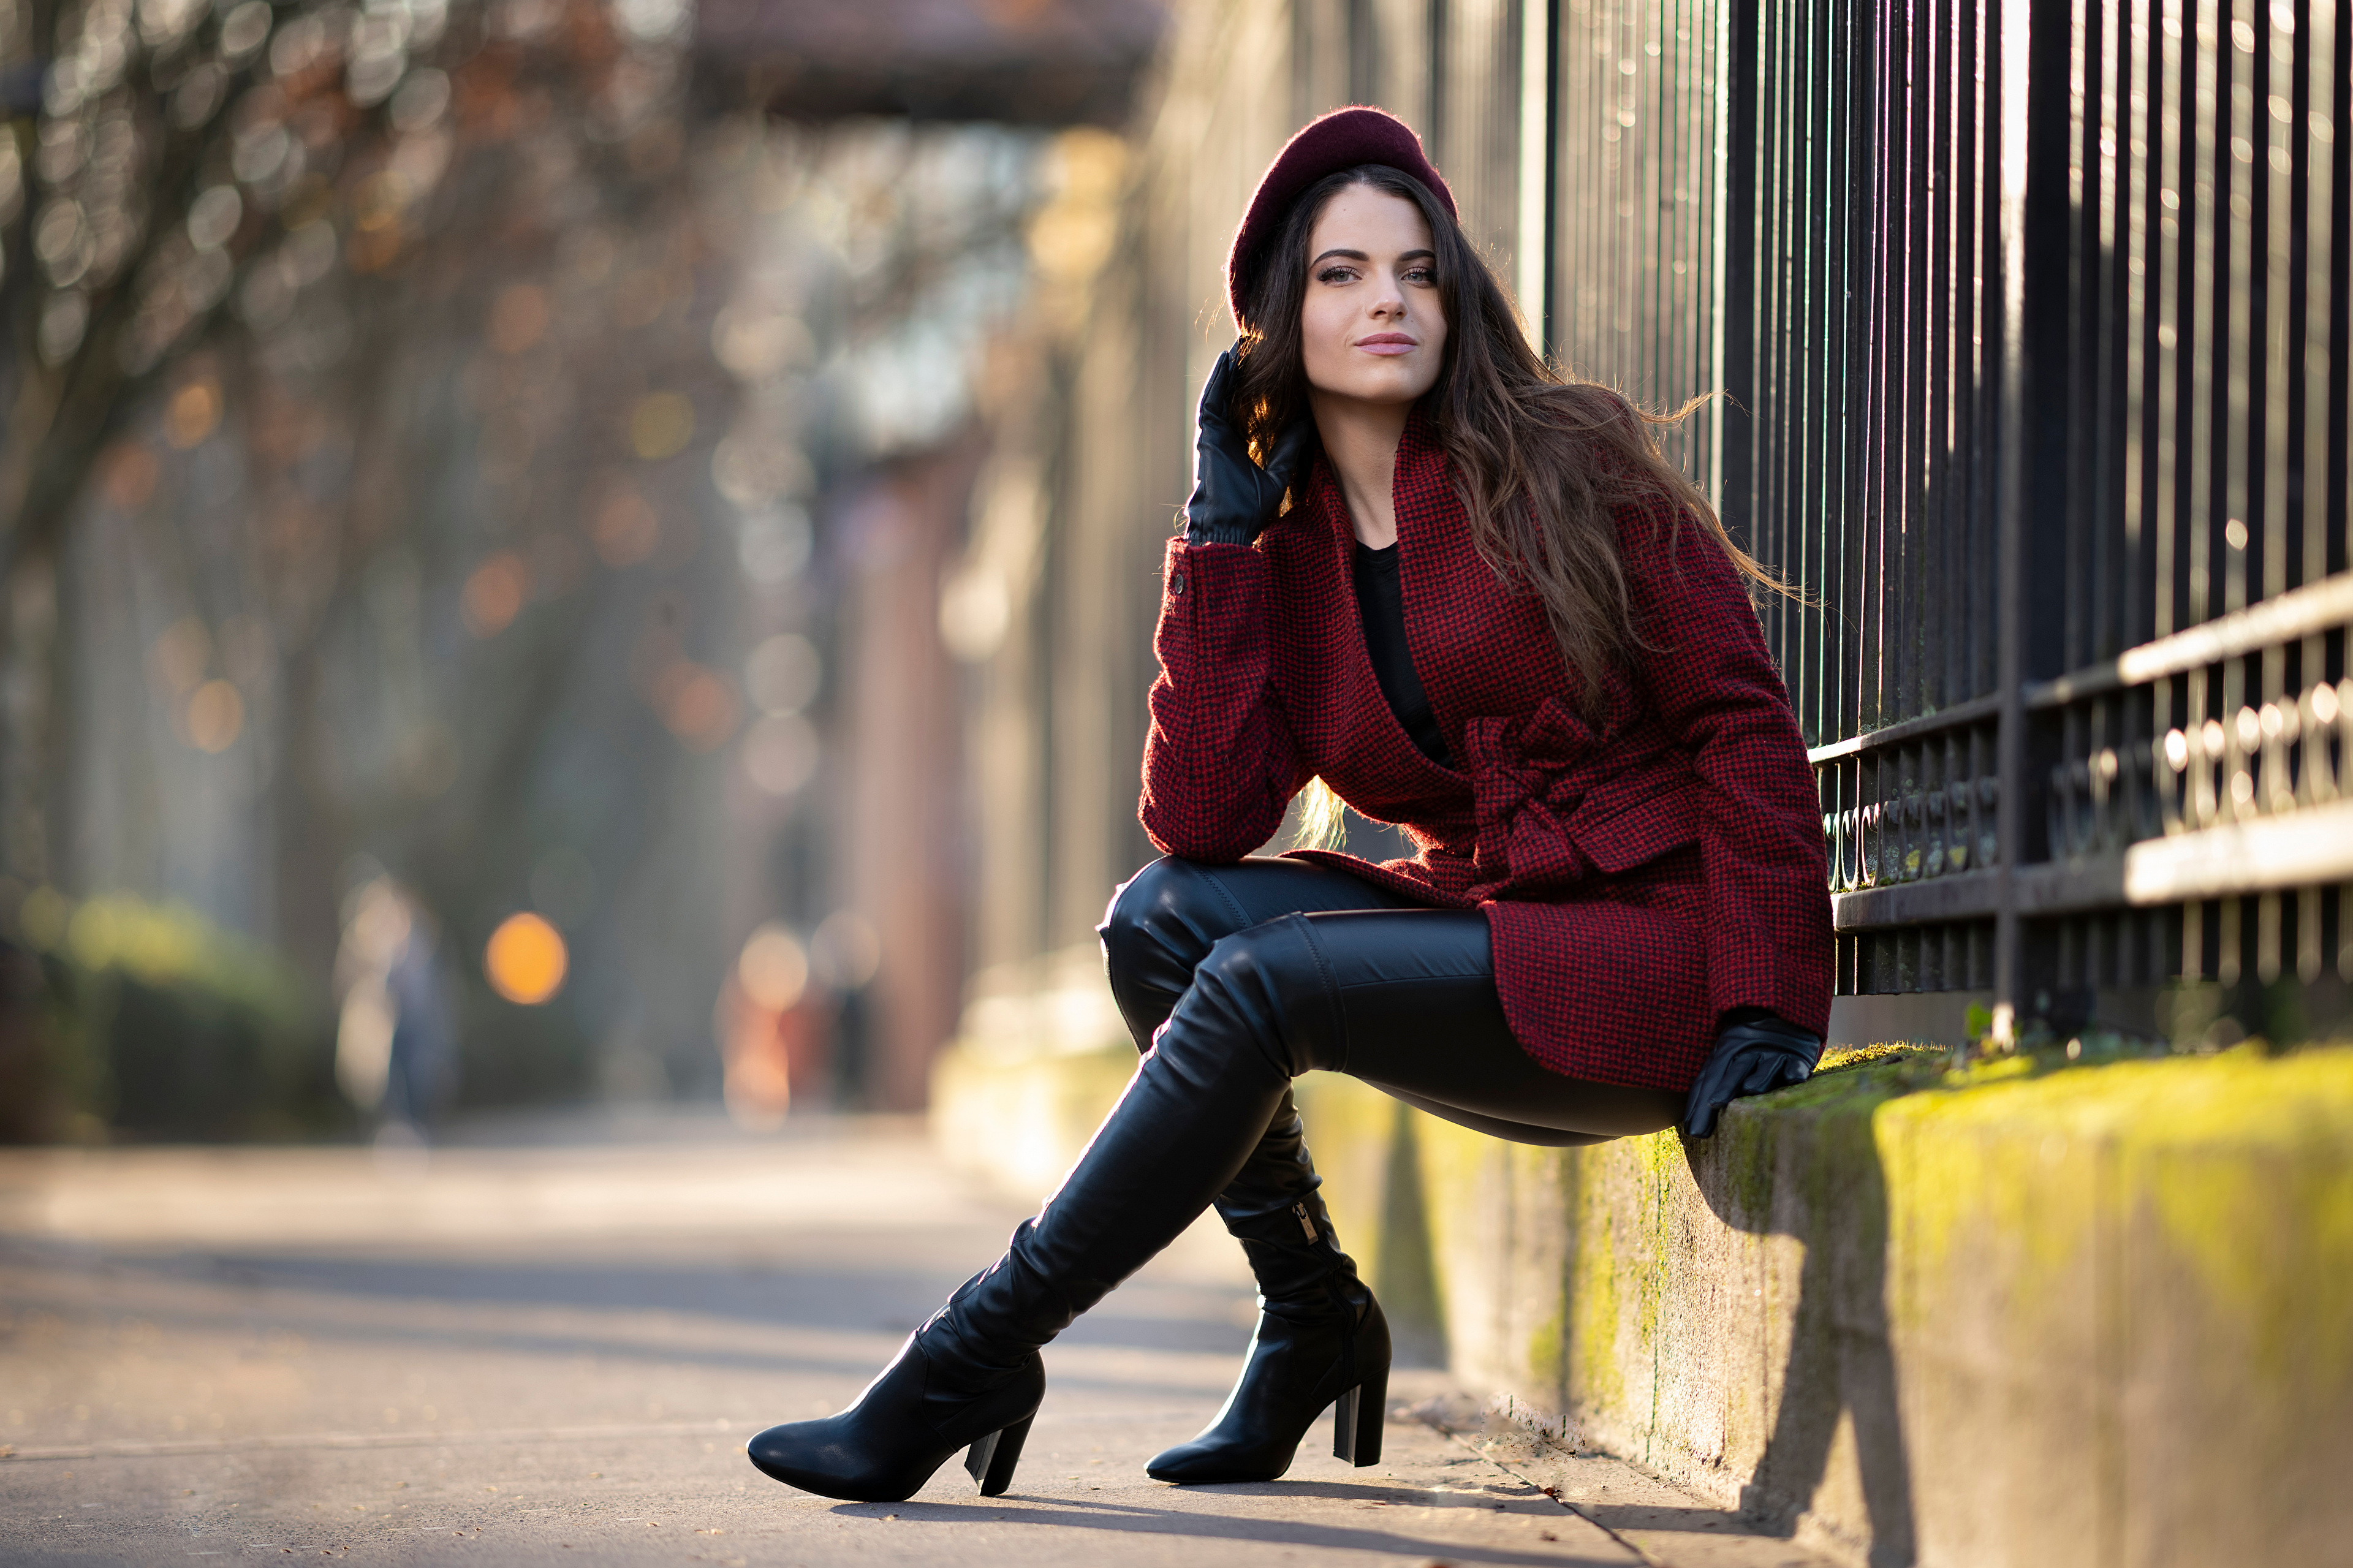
(1340, 139)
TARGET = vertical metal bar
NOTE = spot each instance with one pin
(2108, 260)
(2137, 258)
(2083, 321)
(1438, 48)
(1902, 251)
(1846, 299)
(1731, 147)
(1983, 247)
(2201, 53)
(2169, 170)
(2143, 284)
(1865, 431)
(2340, 310)
(2239, 189)
(2010, 48)
(1531, 246)
(2274, 163)
(1940, 516)
(2274, 61)
(2328, 151)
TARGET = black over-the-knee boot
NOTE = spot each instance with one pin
(1197, 1105)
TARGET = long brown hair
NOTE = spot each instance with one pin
(1540, 456)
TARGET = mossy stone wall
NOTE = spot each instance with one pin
(2026, 1313)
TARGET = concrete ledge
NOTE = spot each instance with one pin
(2025, 1314)
(2021, 1314)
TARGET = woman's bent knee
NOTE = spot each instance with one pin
(1161, 921)
(1169, 911)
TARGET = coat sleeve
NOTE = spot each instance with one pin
(1220, 763)
(1712, 683)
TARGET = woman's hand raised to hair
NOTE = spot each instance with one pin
(1233, 498)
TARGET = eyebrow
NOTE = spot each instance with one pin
(1360, 256)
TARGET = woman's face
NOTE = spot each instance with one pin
(1372, 327)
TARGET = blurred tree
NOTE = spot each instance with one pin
(411, 416)
(385, 326)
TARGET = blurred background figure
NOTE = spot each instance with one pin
(395, 1054)
(769, 1031)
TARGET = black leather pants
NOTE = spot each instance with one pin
(1240, 978)
(1353, 979)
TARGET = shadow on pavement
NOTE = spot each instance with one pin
(855, 1297)
(1127, 1518)
(863, 1301)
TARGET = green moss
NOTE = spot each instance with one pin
(1547, 1348)
(1596, 1367)
(2238, 1167)
(1838, 1059)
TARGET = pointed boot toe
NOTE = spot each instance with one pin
(891, 1440)
(1205, 1460)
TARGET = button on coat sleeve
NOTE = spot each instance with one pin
(1220, 763)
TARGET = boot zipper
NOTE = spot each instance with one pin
(1304, 1223)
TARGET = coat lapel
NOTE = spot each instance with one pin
(1483, 648)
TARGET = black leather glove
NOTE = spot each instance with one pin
(1751, 1056)
(1233, 498)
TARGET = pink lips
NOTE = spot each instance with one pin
(1387, 344)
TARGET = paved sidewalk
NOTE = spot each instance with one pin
(552, 1348)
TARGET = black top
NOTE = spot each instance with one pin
(1380, 604)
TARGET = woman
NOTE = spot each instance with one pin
(1491, 613)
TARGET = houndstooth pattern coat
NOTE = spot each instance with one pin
(1643, 870)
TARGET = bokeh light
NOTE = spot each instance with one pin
(192, 414)
(494, 593)
(625, 531)
(846, 951)
(697, 705)
(176, 663)
(772, 969)
(781, 674)
(755, 345)
(128, 478)
(774, 544)
(216, 716)
(780, 753)
(525, 958)
(661, 425)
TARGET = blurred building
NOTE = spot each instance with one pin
(942, 142)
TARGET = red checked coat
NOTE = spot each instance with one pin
(1643, 871)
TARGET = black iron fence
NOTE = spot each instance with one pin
(2033, 321)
